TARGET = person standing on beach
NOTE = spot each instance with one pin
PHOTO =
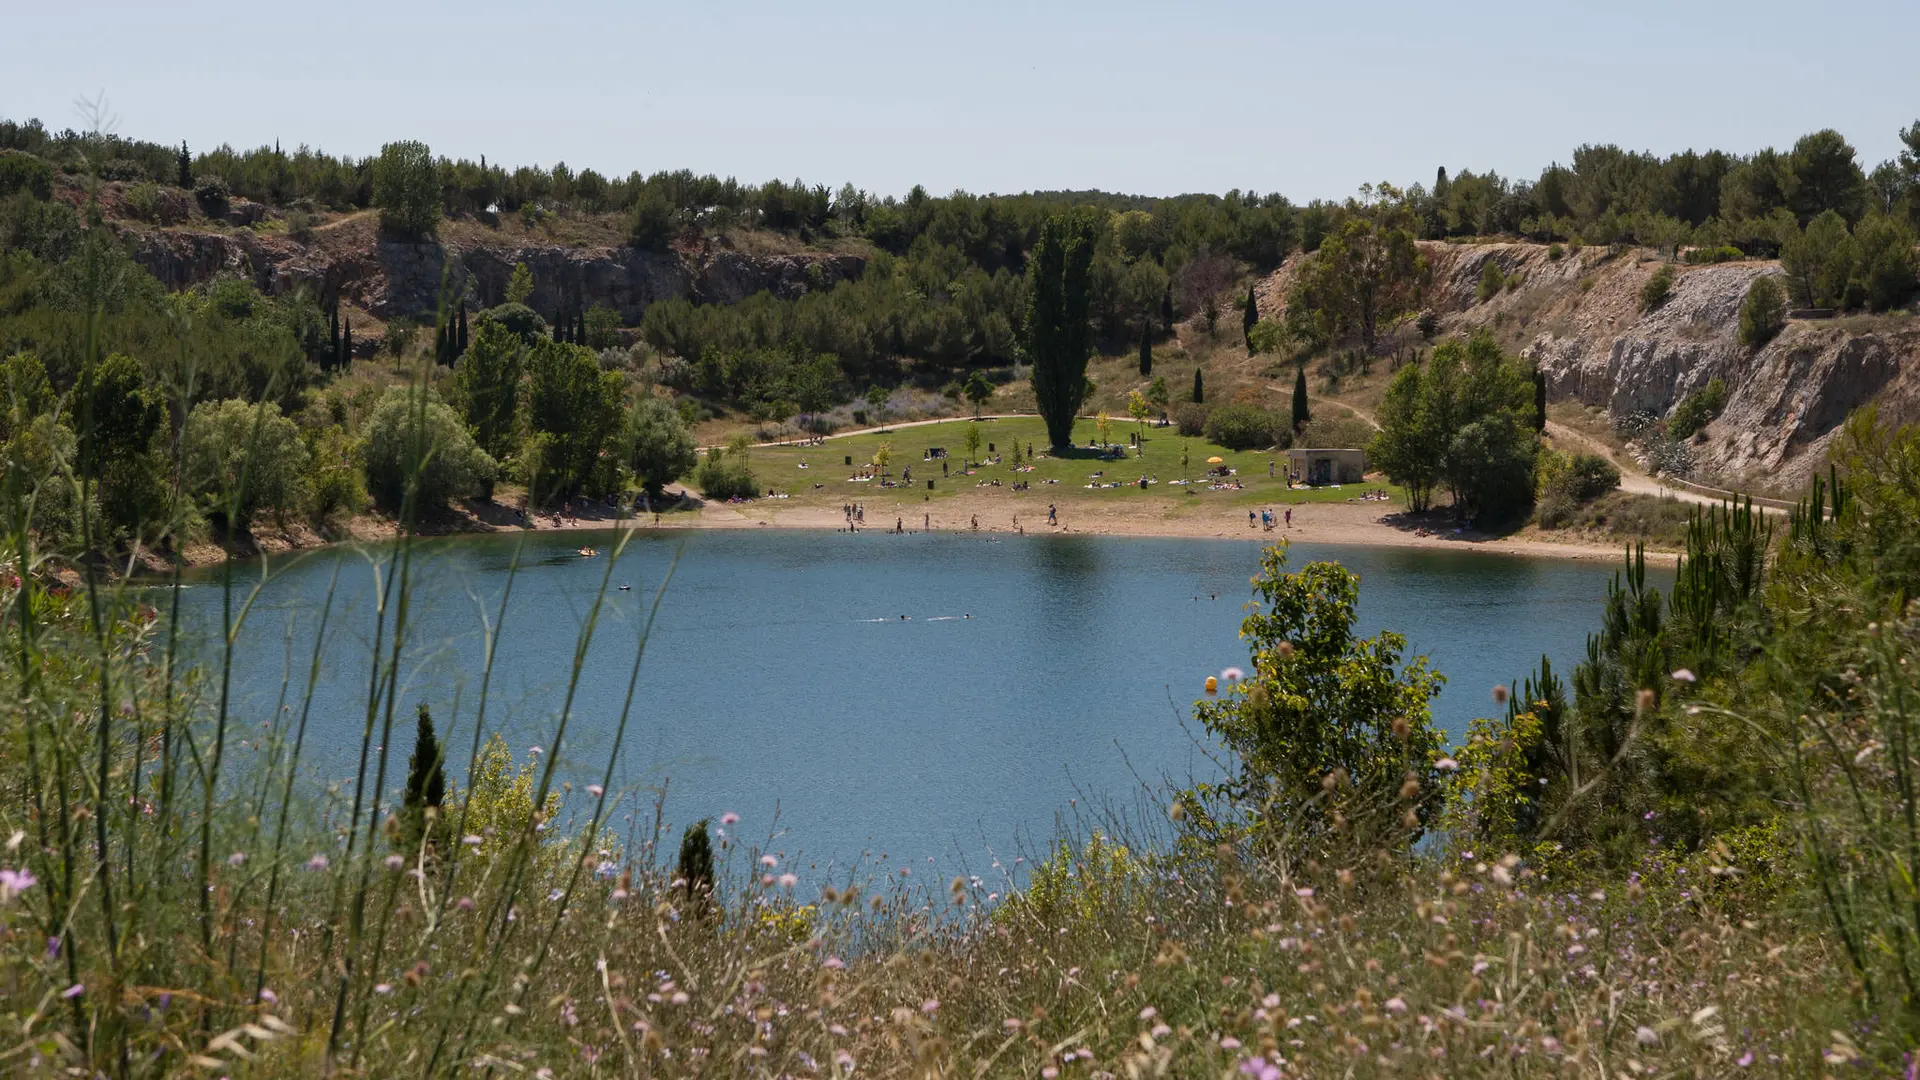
(1289, 517)
(1052, 519)
(926, 523)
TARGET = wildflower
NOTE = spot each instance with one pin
(1050, 1071)
(1259, 1069)
(1232, 674)
(74, 991)
(596, 790)
(768, 860)
(1746, 1059)
(1149, 1013)
(833, 963)
(930, 1006)
(554, 895)
(680, 997)
(395, 862)
(788, 881)
(16, 881)
(383, 988)
(268, 996)
(317, 863)
(1499, 695)
(534, 750)
(465, 903)
(470, 840)
(606, 869)
(1446, 764)
(729, 818)
(844, 1060)
(1229, 1043)
(1396, 1005)
(766, 879)
(1683, 675)
(238, 858)
(1645, 1036)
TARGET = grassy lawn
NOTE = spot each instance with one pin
(779, 467)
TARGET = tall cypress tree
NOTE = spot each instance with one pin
(1166, 309)
(345, 359)
(1058, 335)
(1250, 320)
(426, 779)
(1300, 413)
(560, 324)
(1199, 387)
(1146, 348)
(580, 326)
(440, 343)
(696, 866)
(461, 312)
(1539, 399)
(332, 359)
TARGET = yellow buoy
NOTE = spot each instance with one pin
(1213, 685)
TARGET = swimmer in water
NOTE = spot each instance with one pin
(903, 618)
(968, 615)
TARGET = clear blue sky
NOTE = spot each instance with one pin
(1308, 99)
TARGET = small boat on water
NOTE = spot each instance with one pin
(588, 553)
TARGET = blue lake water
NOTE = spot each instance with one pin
(780, 678)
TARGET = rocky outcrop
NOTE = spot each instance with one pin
(391, 279)
(1578, 316)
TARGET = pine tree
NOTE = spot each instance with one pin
(426, 780)
(696, 866)
(1300, 413)
(1199, 387)
(1146, 349)
(186, 168)
(1250, 320)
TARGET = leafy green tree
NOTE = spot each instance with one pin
(877, 397)
(1139, 409)
(1331, 732)
(1058, 337)
(650, 223)
(1301, 412)
(242, 459)
(1158, 395)
(970, 440)
(520, 284)
(728, 474)
(486, 386)
(1823, 177)
(1199, 387)
(1367, 273)
(117, 417)
(1763, 314)
(1146, 350)
(413, 441)
(573, 409)
(1166, 309)
(406, 189)
(1490, 466)
(522, 320)
(979, 388)
(600, 327)
(1819, 260)
(426, 789)
(25, 392)
(1884, 261)
(661, 446)
(1409, 446)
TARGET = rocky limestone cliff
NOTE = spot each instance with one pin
(390, 279)
(1579, 317)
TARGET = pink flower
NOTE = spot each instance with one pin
(238, 858)
(833, 963)
(1232, 674)
(788, 881)
(596, 790)
(930, 1006)
(729, 818)
(74, 991)
(317, 863)
(768, 860)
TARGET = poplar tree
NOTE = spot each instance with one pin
(1300, 413)
(1199, 387)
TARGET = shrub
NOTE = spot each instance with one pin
(405, 438)
(211, 192)
(1555, 510)
(727, 477)
(1555, 252)
(1428, 323)
(519, 318)
(24, 172)
(1710, 255)
(1241, 427)
(1763, 314)
(1698, 409)
(240, 459)
(1491, 280)
(1589, 476)
(143, 202)
(1657, 288)
(1191, 418)
(300, 225)
(1334, 431)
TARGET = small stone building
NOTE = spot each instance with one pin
(1327, 466)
